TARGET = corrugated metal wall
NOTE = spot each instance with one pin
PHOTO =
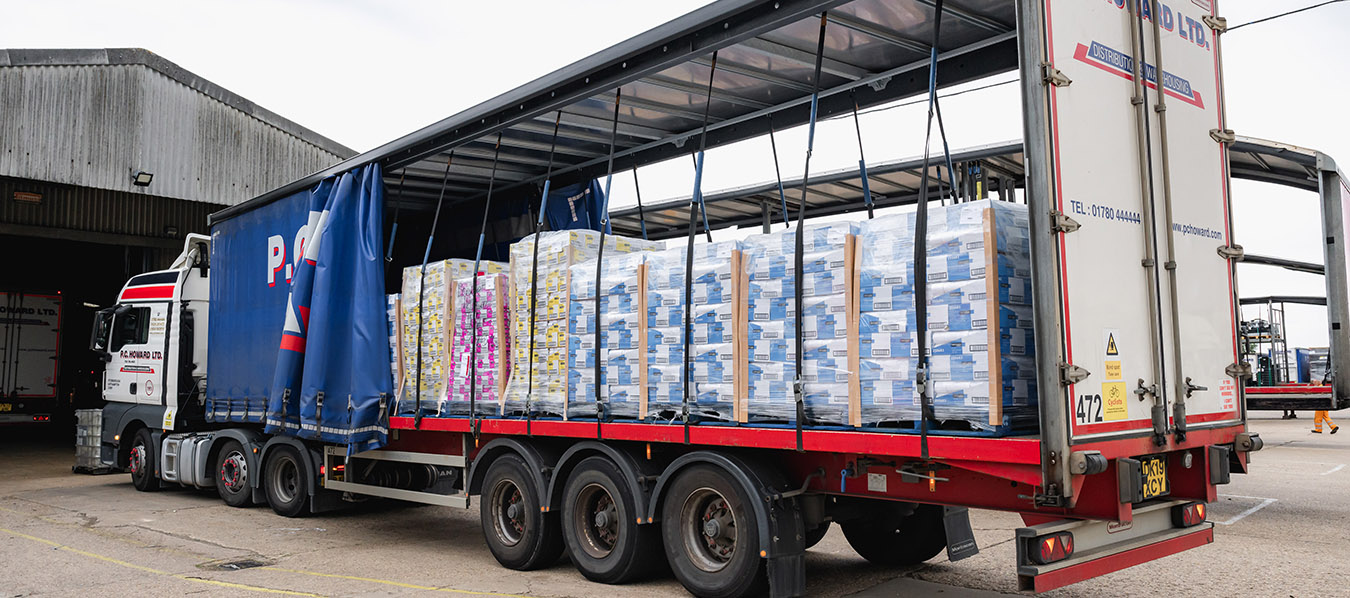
(94, 126)
(85, 210)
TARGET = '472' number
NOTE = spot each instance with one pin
(1089, 408)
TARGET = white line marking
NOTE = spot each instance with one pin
(1265, 502)
(1334, 469)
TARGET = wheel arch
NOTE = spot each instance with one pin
(308, 458)
(635, 473)
(756, 479)
(252, 442)
(539, 460)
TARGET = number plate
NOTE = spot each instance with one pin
(1153, 470)
(5, 407)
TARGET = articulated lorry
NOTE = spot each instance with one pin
(30, 351)
(260, 363)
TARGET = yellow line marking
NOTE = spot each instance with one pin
(114, 561)
(395, 583)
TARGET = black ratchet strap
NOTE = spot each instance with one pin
(799, 381)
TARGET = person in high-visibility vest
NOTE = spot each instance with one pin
(1322, 416)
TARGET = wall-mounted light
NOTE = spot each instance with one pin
(171, 230)
(142, 178)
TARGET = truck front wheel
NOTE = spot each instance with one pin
(520, 535)
(711, 535)
(144, 462)
(891, 535)
(599, 522)
(284, 482)
(232, 475)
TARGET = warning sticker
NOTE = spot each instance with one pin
(1112, 369)
(1114, 405)
(1111, 348)
(1111, 364)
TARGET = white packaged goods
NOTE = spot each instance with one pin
(979, 318)
(480, 344)
(391, 310)
(540, 385)
(770, 265)
(714, 336)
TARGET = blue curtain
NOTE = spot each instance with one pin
(575, 206)
(332, 380)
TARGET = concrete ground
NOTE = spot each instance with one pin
(1285, 530)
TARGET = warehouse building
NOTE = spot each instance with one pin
(108, 158)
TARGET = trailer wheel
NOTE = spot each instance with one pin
(232, 475)
(599, 523)
(520, 535)
(891, 537)
(284, 482)
(816, 534)
(144, 461)
(711, 535)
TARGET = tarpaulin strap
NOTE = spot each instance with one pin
(318, 411)
(942, 132)
(798, 382)
(778, 174)
(600, 401)
(695, 207)
(697, 159)
(862, 158)
(923, 379)
(534, 277)
(422, 281)
(393, 232)
(642, 219)
(477, 261)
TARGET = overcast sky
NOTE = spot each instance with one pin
(366, 72)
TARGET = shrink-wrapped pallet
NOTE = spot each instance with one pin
(479, 347)
(827, 300)
(620, 335)
(716, 332)
(539, 382)
(981, 353)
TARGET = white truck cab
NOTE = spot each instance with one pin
(153, 342)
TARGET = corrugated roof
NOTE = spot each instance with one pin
(93, 117)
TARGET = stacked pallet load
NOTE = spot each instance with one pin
(827, 266)
(479, 346)
(979, 318)
(717, 333)
(427, 329)
(392, 307)
(538, 384)
(619, 352)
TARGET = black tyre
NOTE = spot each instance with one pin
(518, 533)
(891, 535)
(284, 482)
(711, 535)
(814, 536)
(599, 523)
(232, 475)
(144, 461)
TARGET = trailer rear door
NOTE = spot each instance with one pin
(1108, 172)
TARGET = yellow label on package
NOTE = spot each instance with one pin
(1115, 401)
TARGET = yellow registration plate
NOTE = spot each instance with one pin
(4, 407)
(1154, 482)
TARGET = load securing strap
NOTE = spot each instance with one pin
(474, 422)
(393, 232)
(642, 219)
(534, 276)
(601, 398)
(422, 280)
(923, 380)
(778, 175)
(799, 382)
(862, 159)
(695, 208)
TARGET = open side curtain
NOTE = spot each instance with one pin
(332, 381)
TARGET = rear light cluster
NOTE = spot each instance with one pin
(42, 418)
(1188, 515)
(1052, 548)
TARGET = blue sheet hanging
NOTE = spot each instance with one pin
(332, 379)
(576, 206)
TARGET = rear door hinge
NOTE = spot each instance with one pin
(1053, 76)
(1240, 369)
(1062, 223)
(1218, 24)
(1070, 374)
(1224, 136)
(1232, 252)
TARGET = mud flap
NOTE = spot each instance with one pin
(960, 538)
(787, 555)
